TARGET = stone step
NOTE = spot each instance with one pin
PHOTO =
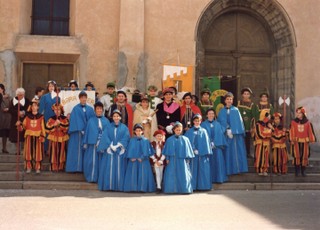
(291, 169)
(13, 166)
(267, 186)
(288, 178)
(10, 158)
(43, 176)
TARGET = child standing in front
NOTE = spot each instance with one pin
(33, 124)
(178, 152)
(158, 159)
(301, 135)
(139, 177)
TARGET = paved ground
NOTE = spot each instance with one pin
(38, 209)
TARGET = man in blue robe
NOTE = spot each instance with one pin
(178, 152)
(92, 137)
(113, 163)
(139, 176)
(233, 127)
(79, 117)
(200, 164)
(217, 143)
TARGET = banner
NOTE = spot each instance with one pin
(180, 77)
(71, 98)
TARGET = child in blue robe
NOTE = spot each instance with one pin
(79, 117)
(233, 127)
(92, 137)
(113, 162)
(200, 164)
(139, 176)
(178, 152)
(217, 143)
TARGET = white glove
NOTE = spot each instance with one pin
(212, 145)
(229, 133)
(122, 151)
(145, 121)
(169, 129)
(113, 147)
(109, 151)
(82, 132)
(149, 119)
(196, 152)
(85, 146)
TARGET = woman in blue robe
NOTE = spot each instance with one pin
(139, 176)
(92, 137)
(178, 152)
(233, 127)
(217, 143)
(113, 162)
(46, 102)
(200, 164)
(79, 117)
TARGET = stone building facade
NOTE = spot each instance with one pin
(269, 45)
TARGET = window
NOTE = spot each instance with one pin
(50, 17)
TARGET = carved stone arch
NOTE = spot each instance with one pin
(282, 38)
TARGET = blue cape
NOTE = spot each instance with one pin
(178, 146)
(215, 133)
(79, 118)
(139, 148)
(233, 120)
(199, 140)
(93, 132)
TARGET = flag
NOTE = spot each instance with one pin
(178, 76)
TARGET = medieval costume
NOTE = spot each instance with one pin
(92, 137)
(108, 99)
(157, 161)
(178, 152)
(262, 144)
(205, 102)
(34, 127)
(300, 135)
(232, 125)
(153, 99)
(145, 116)
(200, 164)
(57, 128)
(139, 177)
(79, 117)
(279, 148)
(262, 105)
(187, 111)
(217, 143)
(113, 163)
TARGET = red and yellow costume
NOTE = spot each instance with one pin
(57, 136)
(279, 148)
(34, 138)
(301, 134)
(262, 145)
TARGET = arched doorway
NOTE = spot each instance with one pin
(250, 39)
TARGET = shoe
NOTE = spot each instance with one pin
(38, 171)
(158, 190)
(28, 171)
(265, 174)
(303, 171)
(260, 174)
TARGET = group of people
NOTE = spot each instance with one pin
(153, 144)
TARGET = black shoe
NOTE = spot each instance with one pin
(158, 190)
(303, 171)
(297, 170)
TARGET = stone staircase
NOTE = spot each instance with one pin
(12, 176)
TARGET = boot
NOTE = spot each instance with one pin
(297, 170)
(303, 170)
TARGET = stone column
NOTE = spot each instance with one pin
(131, 57)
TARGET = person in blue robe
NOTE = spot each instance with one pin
(178, 152)
(79, 117)
(233, 127)
(46, 102)
(200, 164)
(92, 137)
(139, 176)
(113, 162)
(217, 143)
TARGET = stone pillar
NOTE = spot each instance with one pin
(131, 57)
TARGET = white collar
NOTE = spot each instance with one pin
(22, 101)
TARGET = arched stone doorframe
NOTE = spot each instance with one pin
(280, 27)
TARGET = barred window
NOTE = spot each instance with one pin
(50, 17)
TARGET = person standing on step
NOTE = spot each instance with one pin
(79, 117)
(5, 118)
(301, 134)
(188, 109)
(92, 137)
(279, 148)
(262, 143)
(34, 127)
(108, 99)
(57, 128)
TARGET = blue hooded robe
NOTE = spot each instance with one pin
(79, 117)
(91, 140)
(235, 153)
(113, 164)
(177, 175)
(139, 176)
(217, 143)
(200, 164)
